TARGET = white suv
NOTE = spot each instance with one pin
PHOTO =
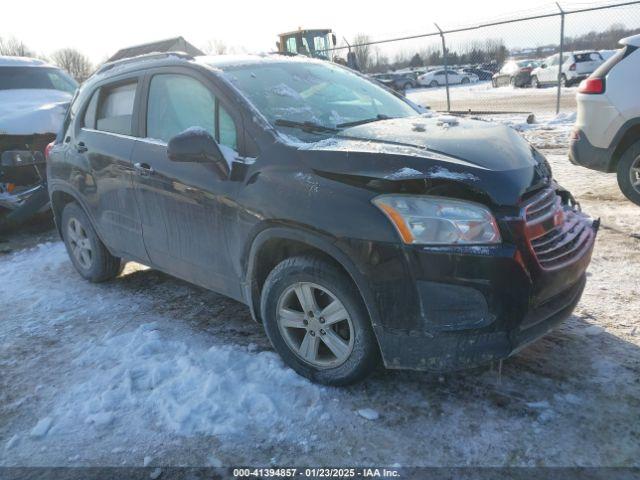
(606, 136)
(576, 66)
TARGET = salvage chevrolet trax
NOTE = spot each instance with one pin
(356, 227)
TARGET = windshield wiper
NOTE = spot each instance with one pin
(309, 127)
(362, 122)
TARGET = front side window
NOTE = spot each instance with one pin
(89, 119)
(115, 109)
(313, 91)
(178, 102)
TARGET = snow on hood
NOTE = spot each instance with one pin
(29, 111)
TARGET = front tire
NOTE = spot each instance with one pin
(628, 172)
(316, 320)
(534, 82)
(563, 81)
(434, 84)
(464, 80)
(88, 254)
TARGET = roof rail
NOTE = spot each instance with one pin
(147, 56)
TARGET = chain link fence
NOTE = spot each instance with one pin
(503, 65)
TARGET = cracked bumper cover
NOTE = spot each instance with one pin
(468, 306)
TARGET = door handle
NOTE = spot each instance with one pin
(81, 147)
(143, 168)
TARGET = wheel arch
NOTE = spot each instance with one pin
(62, 195)
(274, 244)
(630, 136)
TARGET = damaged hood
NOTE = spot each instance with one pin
(32, 111)
(487, 157)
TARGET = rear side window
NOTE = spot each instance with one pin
(115, 109)
(587, 57)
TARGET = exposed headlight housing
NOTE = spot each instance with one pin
(429, 220)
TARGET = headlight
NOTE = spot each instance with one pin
(439, 220)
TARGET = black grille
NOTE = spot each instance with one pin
(557, 233)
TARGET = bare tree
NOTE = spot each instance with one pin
(74, 62)
(216, 47)
(15, 48)
(362, 52)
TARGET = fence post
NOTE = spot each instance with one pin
(446, 73)
(560, 59)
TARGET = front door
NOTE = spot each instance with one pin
(550, 74)
(184, 206)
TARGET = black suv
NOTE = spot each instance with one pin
(354, 225)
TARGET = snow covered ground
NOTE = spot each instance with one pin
(148, 370)
(482, 96)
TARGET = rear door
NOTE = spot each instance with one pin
(102, 146)
(454, 77)
(184, 206)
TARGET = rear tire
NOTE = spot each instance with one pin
(628, 172)
(88, 254)
(306, 341)
(464, 80)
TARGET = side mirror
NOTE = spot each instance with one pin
(544, 65)
(198, 146)
(333, 39)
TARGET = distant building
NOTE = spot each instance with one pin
(177, 44)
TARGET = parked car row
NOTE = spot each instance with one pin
(575, 67)
(401, 81)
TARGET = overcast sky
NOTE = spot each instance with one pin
(100, 28)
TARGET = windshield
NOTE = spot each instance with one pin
(13, 78)
(320, 93)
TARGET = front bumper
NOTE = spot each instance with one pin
(452, 308)
(23, 187)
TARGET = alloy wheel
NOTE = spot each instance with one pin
(79, 243)
(315, 325)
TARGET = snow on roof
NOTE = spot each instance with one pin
(634, 41)
(22, 62)
(221, 61)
